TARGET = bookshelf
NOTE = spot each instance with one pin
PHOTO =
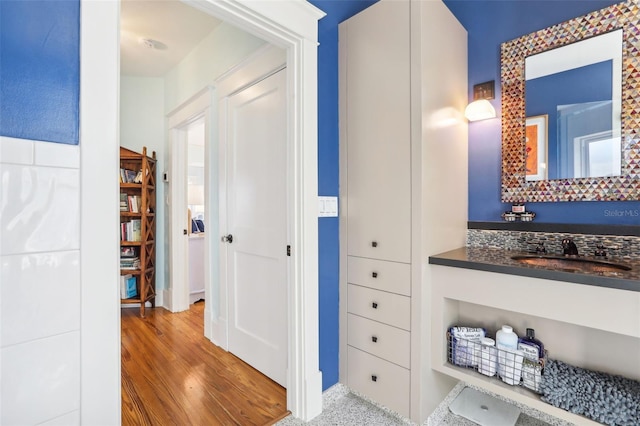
(137, 227)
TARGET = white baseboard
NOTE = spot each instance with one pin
(160, 299)
(134, 305)
(218, 332)
(165, 296)
(195, 296)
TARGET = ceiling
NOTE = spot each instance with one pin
(174, 27)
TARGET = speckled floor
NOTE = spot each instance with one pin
(343, 408)
(349, 410)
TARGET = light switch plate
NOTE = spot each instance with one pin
(327, 206)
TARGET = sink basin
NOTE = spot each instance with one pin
(571, 263)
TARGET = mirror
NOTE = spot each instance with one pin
(572, 109)
(581, 143)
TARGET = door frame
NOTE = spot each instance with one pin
(292, 25)
(199, 106)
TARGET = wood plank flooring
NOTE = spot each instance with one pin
(173, 375)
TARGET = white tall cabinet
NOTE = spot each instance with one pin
(403, 87)
(377, 126)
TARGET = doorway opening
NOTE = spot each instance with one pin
(293, 26)
(196, 187)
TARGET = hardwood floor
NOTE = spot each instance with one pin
(173, 375)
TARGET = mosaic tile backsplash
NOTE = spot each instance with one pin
(616, 247)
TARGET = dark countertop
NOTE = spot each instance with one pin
(500, 261)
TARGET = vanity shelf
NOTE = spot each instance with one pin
(515, 393)
(579, 324)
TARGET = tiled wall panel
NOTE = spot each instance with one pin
(40, 283)
(40, 379)
(40, 294)
(40, 209)
(69, 419)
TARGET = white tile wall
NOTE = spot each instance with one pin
(16, 151)
(41, 294)
(69, 419)
(43, 380)
(39, 283)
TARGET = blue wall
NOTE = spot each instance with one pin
(328, 179)
(490, 23)
(40, 69)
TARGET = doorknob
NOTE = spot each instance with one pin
(227, 238)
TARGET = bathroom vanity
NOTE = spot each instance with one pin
(586, 318)
(589, 320)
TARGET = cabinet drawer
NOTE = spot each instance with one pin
(380, 380)
(379, 274)
(379, 339)
(389, 308)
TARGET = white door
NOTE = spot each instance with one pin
(256, 225)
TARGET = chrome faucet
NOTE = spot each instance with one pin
(569, 247)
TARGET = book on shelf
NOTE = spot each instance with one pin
(130, 203)
(128, 286)
(131, 230)
(128, 252)
(130, 176)
(130, 263)
(136, 226)
(134, 202)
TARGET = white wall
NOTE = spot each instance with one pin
(142, 123)
(225, 47)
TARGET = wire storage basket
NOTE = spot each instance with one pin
(465, 349)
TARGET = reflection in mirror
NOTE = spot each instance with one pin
(573, 110)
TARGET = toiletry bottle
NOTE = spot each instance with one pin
(509, 357)
(518, 208)
(506, 338)
(488, 357)
(532, 347)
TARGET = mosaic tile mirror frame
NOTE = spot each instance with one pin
(515, 188)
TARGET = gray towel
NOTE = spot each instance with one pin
(605, 398)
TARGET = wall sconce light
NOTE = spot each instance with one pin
(481, 108)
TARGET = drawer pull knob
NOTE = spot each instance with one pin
(374, 244)
(374, 305)
(374, 339)
(374, 274)
(374, 378)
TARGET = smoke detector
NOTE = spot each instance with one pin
(151, 44)
(148, 43)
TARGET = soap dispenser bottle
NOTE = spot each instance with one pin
(533, 348)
